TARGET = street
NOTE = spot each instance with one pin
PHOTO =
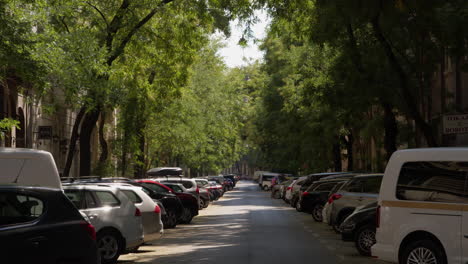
(247, 226)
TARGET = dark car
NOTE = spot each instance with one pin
(303, 183)
(204, 199)
(316, 196)
(172, 206)
(360, 227)
(232, 177)
(188, 200)
(41, 225)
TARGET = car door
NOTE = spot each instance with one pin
(93, 210)
(21, 230)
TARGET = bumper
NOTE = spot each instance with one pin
(153, 236)
(135, 243)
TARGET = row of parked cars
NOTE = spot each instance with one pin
(416, 212)
(91, 219)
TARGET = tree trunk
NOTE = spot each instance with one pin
(73, 139)
(349, 149)
(140, 157)
(391, 130)
(103, 144)
(337, 156)
(408, 98)
(87, 128)
(458, 85)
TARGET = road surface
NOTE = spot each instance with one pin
(247, 226)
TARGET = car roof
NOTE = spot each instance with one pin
(368, 175)
(91, 186)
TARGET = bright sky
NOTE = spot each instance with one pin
(233, 54)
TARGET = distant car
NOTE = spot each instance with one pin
(361, 190)
(40, 225)
(232, 177)
(360, 227)
(287, 196)
(117, 220)
(179, 188)
(278, 189)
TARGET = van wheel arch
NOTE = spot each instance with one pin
(416, 236)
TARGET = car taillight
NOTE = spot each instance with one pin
(377, 217)
(305, 193)
(90, 230)
(334, 197)
(198, 190)
(157, 209)
(289, 188)
(137, 212)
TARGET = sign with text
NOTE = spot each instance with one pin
(455, 124)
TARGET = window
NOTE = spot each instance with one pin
(90, 200)
(18, 208)
(337, 187)
(132, 196)
(76, 197)
(107, 198)
(355, 185)
(433, 182)
(325, 187)
(186, 184)
(175, 188)
(155, 187)
(372, 184)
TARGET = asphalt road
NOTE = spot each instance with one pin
(247, 226)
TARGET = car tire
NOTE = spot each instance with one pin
(299, 206)
(293, 202)
(186, 217)
(266, 188)
(109, 245)
(201, 204)
(337, 223)
(423, 250)
(317, 213)
(171, 219)
(205, 203)
(364, 239)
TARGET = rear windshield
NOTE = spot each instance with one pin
(186, 184)
(17, 208)
(155, 187)
(433, 181)
(267, 178)
(175, 187)
(132, 196)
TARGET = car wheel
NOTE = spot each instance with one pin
(337, 223)
(186, 216)
(299, 206)
(205, 203)
(109, 246)
(423, 251)
(317, 213)
(293, 202)
(171, 219)
(265, 187)
(201, 204)
(365, 239)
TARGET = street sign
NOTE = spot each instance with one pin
(455, 124)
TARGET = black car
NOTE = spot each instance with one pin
(360, 227)
(41, 225)
(232, 177)
(316, 196)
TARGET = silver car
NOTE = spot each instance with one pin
(361, 190)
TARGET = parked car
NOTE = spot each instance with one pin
(204, 200)
(360, 190)
(203, 184)
(277, 190)
(34, 224)
(360, 227)
(150, 211)
(232, 177)
(288, 191)
(170, 204)
(265, 178)
(316, 196)
(35, 214)
(188, 200)
(217, 189)
(117, 220)
(189, 184)
(422, 213)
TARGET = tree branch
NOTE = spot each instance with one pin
(100, 13)
(120, 49)
(116, 24)
(62, 19)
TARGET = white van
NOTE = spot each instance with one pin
(28, 167)
(423, 207)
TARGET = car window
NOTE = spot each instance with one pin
(372, 185)
(324, 187)
(355, 185)
(155, 187)
(132, 196)
(18, 208)
(90, 200)
(175, 188)
(107, 198)
(337, 187)
(76, 197)
(433, 181)
(186, 184)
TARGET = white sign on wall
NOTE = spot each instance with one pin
(455, 124)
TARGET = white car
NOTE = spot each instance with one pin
(150, 211)
(288, 193)
(118, 222)
(422, 215)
